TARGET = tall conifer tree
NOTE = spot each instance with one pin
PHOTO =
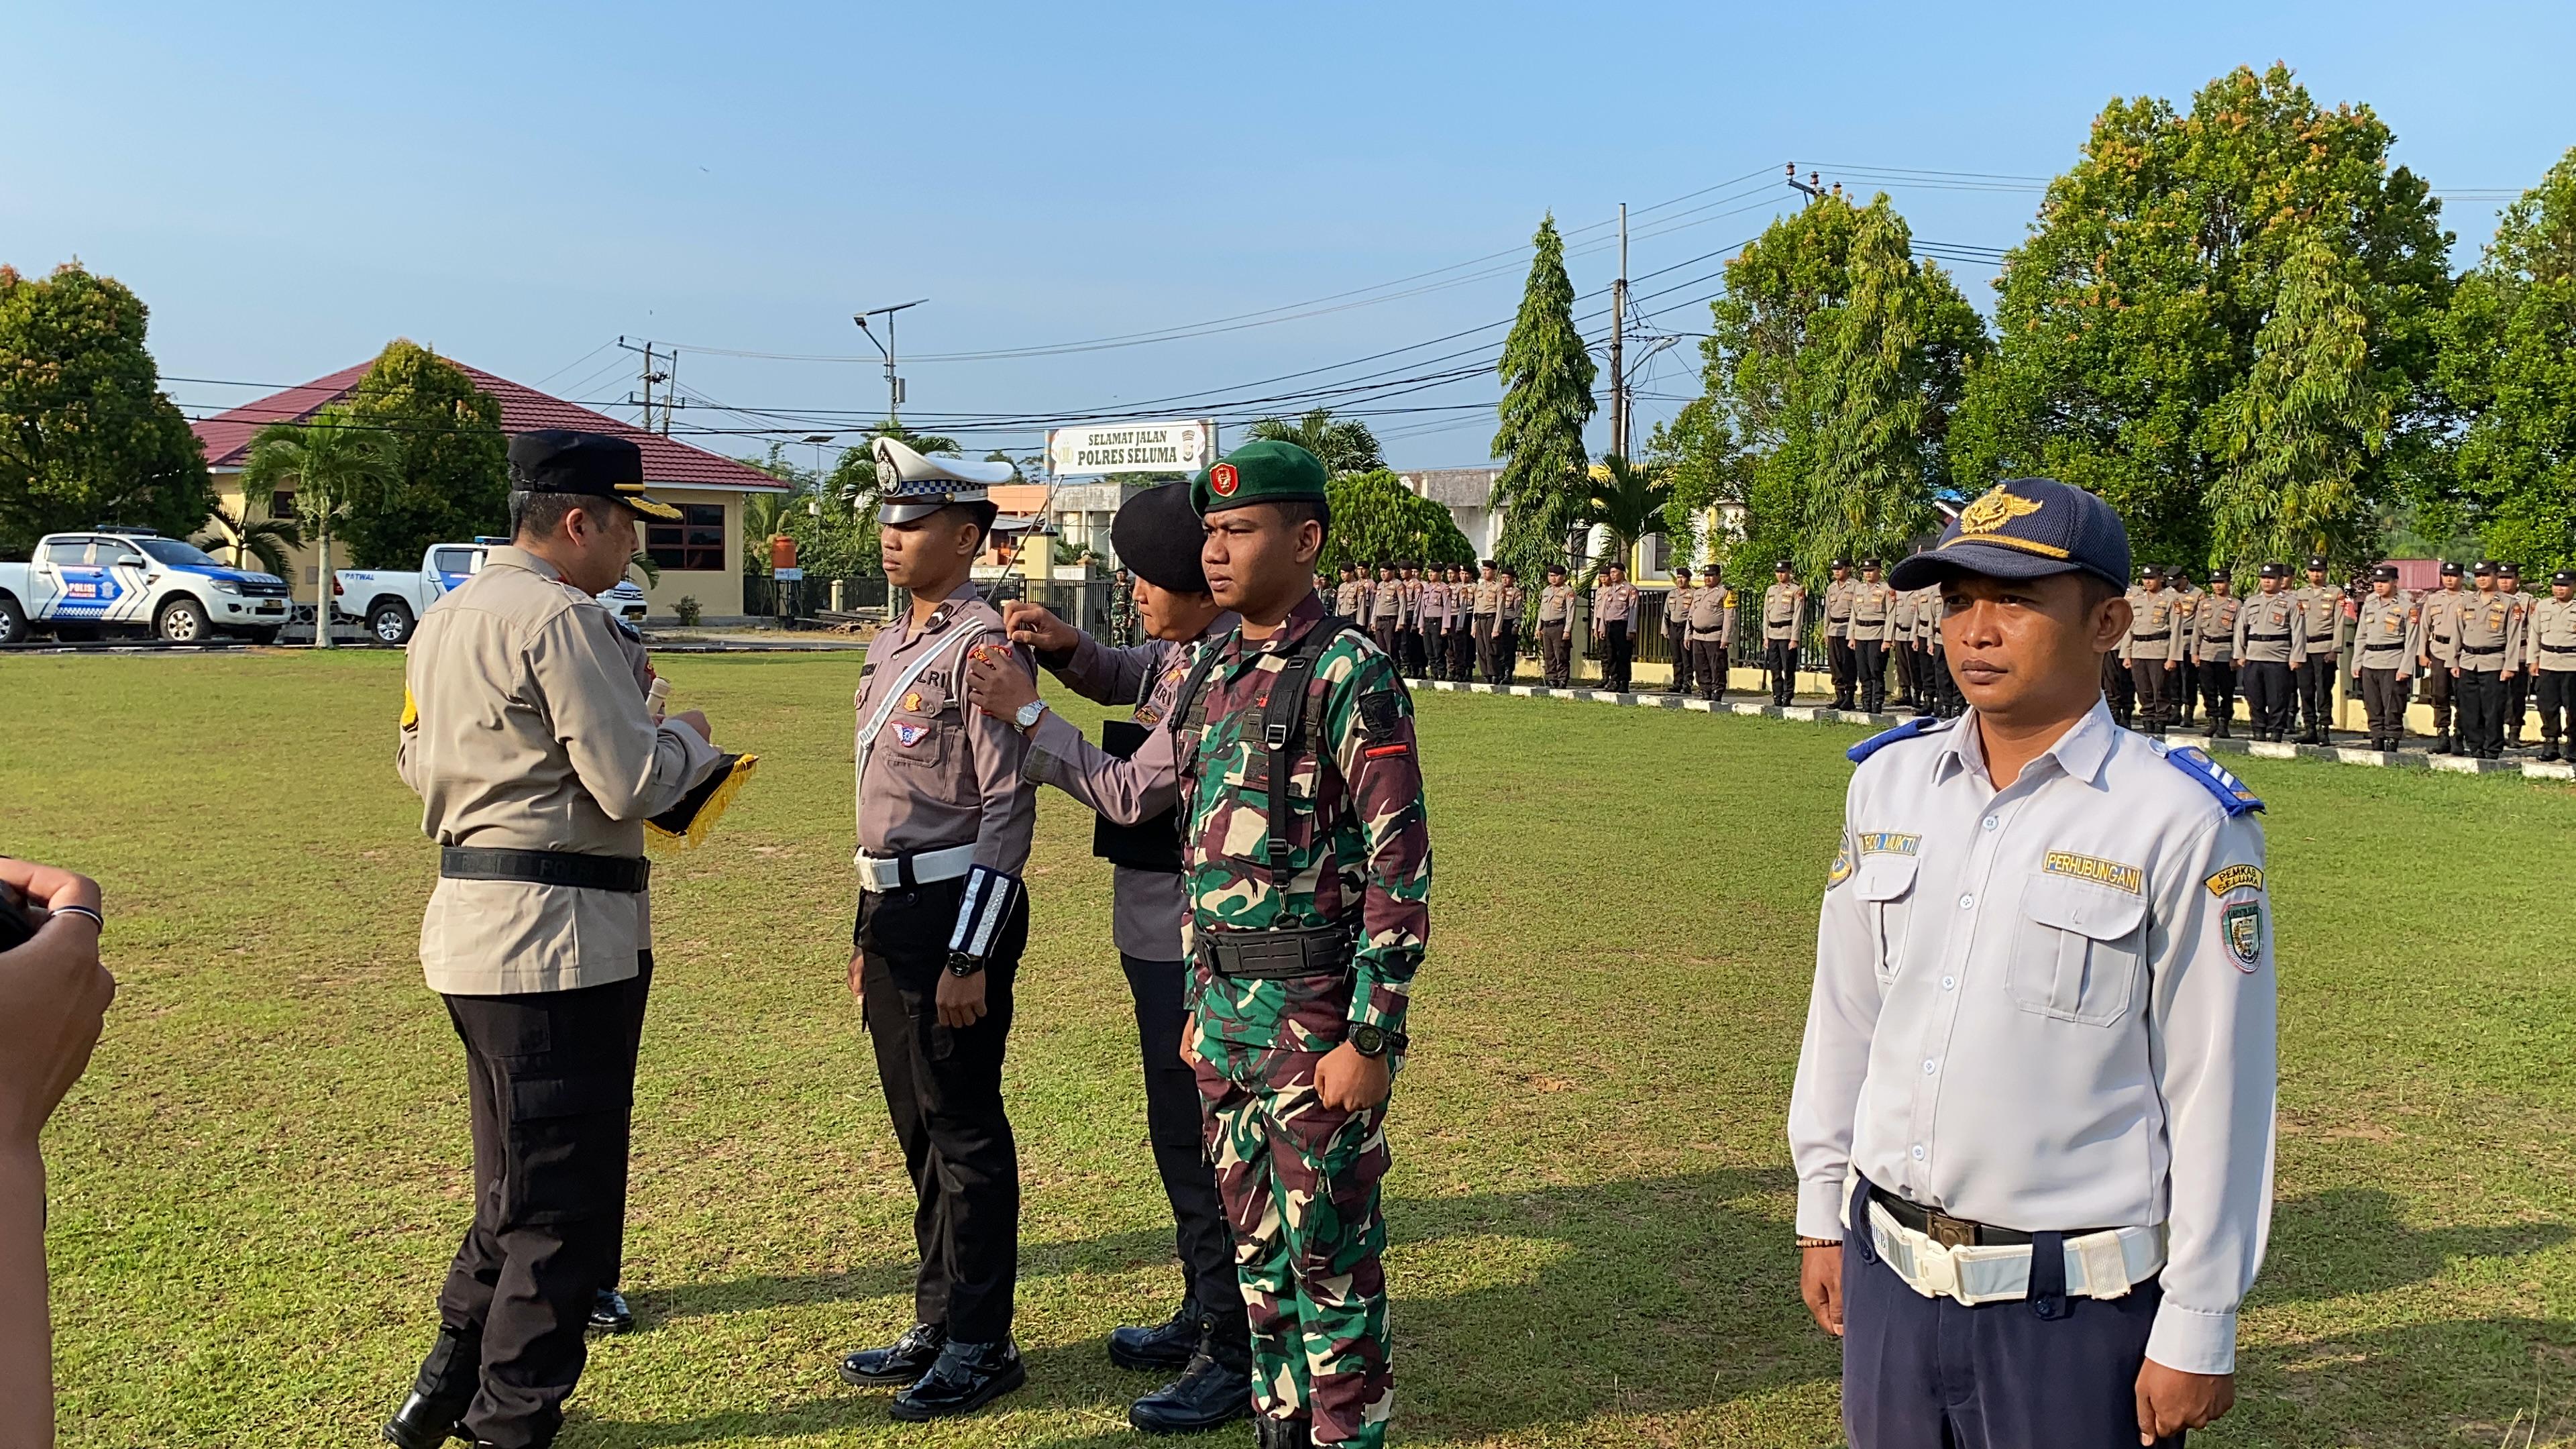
(1547, 398)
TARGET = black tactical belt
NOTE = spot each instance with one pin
(1952, 1232)
(1276, 955)
(546, 867)
(2159, 634)
(2558, 648)
(2266, 638)
(2489, 649)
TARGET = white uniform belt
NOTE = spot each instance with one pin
(2098, 1265)
(883, 873)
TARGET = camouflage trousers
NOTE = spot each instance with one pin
(1300, 1184)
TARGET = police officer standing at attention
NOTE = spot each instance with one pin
(1485, 617)
(2384, 642)
(2549, 653)
(944, 822)
(2151, 651)
(2213, 653)
(1555, 630)
(1133, 788)
(2033, 1114)
(1507, 629)
(1307, 856)
(2271, 640)
(537, 763)
(2321, 620)
(2489, 643)
(2517, 681)
(2187, 601)
(1677, 608)
(1614, 618)
(1784, 618)
(1711, 635)
(2438, 625)
(1840, 660)
(1873, 605)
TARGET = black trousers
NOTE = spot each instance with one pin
(2383, 697)
(2187, 690)
(943, 1090)
(1389, 640)
(2557, 695)
(1780, 657)
(1462, 655)
(2267, 695)
(1555, 655)
(2316, 693)
(2120, 689)
(2481, 696)
(1871, 655)
(1507, 651)
(2437, 693)
(2155, 686)
(1844, 662)
(2517, 703)
(1482, 628)
(2218, 691)
(1678, 642)
(1617, 649)
(1708, 667)
(1174, 1124)
(550, 1076)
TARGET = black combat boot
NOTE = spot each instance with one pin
(1163, 1346)
(435, 1410)
(966, 1378)
(900, 1363)
(2219, 729)
(1215, 1388)
(609, 1313)
(1269, 1433)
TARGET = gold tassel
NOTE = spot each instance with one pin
(700, 823)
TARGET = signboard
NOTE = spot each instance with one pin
(787, 575)
(1180, 445)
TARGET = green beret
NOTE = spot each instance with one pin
(1258, 472)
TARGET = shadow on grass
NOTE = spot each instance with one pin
(1656, 1295)
(2350, 1240)
(2459, 1381)
(1116, 1252)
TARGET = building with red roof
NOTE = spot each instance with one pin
(700, 555)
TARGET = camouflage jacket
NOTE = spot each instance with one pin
(1359, 840)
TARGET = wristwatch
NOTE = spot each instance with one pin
(961, 965)
(1029, 715)
(1372, 1041)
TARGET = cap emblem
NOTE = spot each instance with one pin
(1223, 480)
(1993, 509)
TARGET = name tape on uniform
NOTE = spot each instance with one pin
(2097, 870)
(2235, 878)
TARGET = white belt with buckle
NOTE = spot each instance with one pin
(885, 872)
(2098, 1265)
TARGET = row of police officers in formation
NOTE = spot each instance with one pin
(2032, 1119)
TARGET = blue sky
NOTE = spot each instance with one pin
(290, 187)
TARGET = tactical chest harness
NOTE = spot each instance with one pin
(1281, 951)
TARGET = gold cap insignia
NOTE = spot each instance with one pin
(1994, 508)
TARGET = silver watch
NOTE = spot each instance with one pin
(1029, 714)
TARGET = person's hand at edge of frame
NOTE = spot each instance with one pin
(54, 996)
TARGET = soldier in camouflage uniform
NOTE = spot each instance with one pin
(1306, 855)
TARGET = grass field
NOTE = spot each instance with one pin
(258, 1185)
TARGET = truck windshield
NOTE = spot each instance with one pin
(178, 555)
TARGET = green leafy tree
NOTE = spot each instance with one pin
(2305, 426)
(329, 460)
(852, 483)
(1697, 454)
(252, 536)
(1346, 445)
(452, 462)
(1376, 519)
(2509, 366)
(1625, 501)
(2132, 319)
(1875, 399)
(1547, 398)
(87, 437)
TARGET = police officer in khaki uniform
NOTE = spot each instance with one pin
(2385, 643)
(2489, 645)
(2321, 620)
(1932, 658)
(1507, 627)
(1710, 637)
(1901, 616)
(1485, 620)
(1556, 629)
(944, 820)
(1873, 606)
(2549, 654)
(2187, 601)
(2213, 653)
(1351, 600)
(2152, 650)
(1841, 660)
(1614, 622)
(528, 739)
(1784, 617)
(1677, 608)
(2271, 645)
(2517, 685)
(2438, 628)
(1384, 617)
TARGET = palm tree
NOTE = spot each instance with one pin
(253, 534)
(326, 459)
(1627, 502)
(1346, 446)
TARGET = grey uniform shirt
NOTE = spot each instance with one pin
(2270, 629)
(2549, 637)
(2050, 1008)
(2155, 626)
(1872, 605)
(2438, 616)
(1147, 906)
(1712, 616)
(2490, 633)
(941, 773)
(2321, 616)
(1555, 603)
(2213, 629)
(1784, 611)
(2388, 635)
(528, 731)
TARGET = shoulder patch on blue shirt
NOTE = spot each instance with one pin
(2230, 792)
(1906, 731)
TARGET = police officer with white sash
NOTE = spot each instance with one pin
(2033, 1118)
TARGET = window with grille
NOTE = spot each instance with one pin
(693, 542)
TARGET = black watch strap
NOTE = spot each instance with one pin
(961, 965)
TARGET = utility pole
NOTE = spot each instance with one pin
(1811, 186)
(1618, 336)
(650, 377)
(894, 384)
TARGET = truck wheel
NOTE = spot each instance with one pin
(13, 621)
(390, 621)
(181, 621)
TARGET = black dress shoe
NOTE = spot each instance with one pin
(966, 1378)
(609, 1313)
(901, 1363)
(1269, 1433)
(434, 1411)
(1207, 1393)
(1166, 1345)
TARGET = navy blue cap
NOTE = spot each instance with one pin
(2026, 528)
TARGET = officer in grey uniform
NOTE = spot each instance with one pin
(1784, 617)
(1131, 780)
(2517, 684)
(2385, 641)
(1710, 637)
(1556, 629)
(1903, 628)
(2152, 651)
(2321, 621)
(2033, 1112)
(2438, 626)
(537, 762)
(2489, 645)
(944, 820)
(1677, 610)
(2271, 642)
(1840, 658)
(2213, 653)
(2549, 654)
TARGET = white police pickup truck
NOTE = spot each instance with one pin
(391, 602)
(133, 581)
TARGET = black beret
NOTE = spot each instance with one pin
(559, 460)
(1157, 533)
